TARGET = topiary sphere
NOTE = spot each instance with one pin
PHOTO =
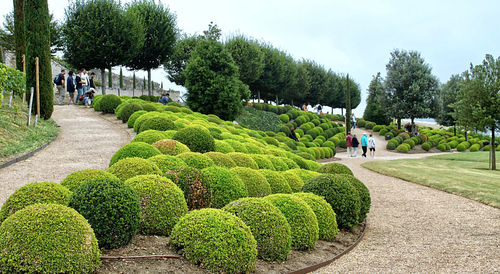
(112, 209)
(131, 167)
(225, 185)
(194, 186)
(162, 203)
(255, 182)
(289, 162)
(217, 240)
(277, 181)
(133, 117)
(157, 123)
(128, 110)
(253, 148)
(300, 217)
(279, 165)
(243, 160)
(166, 162)
(221, 159)
(77, 178)
(364, 195)
(171, 147)
(334, 168)
(293, 180)
(48, 238)
(268, 225)
(237, 146)
(304, 174)
(340, 194)
(327, 220)
(223, 147)
(149, 107)
(141, 119)
(196, 139)
(109, 102)
(34, 193)
(134, 149)
(149, 136)
(196, 160)
(262, 161)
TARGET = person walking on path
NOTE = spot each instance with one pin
(364, 144)
(371, 146)
(355, 145)
(91, 81)
(348, 143)
(353, 121)
(70, 87)
(61, 86)
(79, 86)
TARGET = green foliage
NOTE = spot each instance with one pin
(284, 118)
(196, 139)
(171, 147)
(167, 162)
(262, 161)
(109, 103)
(304, 174)
(223, 147)
(392, 144)
(243, 160)
(403, 148)
(176, 63)
(192, 182)
(258, 120)
(157, 123)
(375, 110)
(300, 217)
(134, 149)
(198, 236)
(12, 80)
(221, 159)
(162, 203)
(127, 168)
(128, 110)
(335, 168)
(77, 178)
(293, 180)
(225, 185)
(34, 193)
(196, 160)
(254, 181)
(149, 136)
(277, 181)
(48, 238)
(473, 148)
(327, 222)
(278, 163)
(112, 209)
(426, 146)
(364, 195)
(247, 56)
(268, 225)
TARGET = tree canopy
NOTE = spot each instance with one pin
(447, 97)
(375, 111)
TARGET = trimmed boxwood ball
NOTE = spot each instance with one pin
(134, 149)
(77, 178)
(194, 186)
(243, 160)
(277, 181)
(128, 110)
(426, 146)
(48, 238)
(149, 107)
(196, 160)
(272, 141)
(284, 118)
(403, 148)
(149, 136)
(279, 165)
(34, 193)
(364, 195)
(304, 174)
(166, 162)
(112, 209)
(312, 165)
(293, 180)
(109, 102)
(131, 167)
(334, 168)
(217, 240)
(223, 147)
(196, 139)
(221, 159)
(327, 220)
(262, 161)
(170, 147)
(255, 182)
(268, 225)
(162, 203)
(141, 119)
(133, 117)
(157, 123)
(300, 217)
(224, 184)
(340, 194)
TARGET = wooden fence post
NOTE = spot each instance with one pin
(37, 86)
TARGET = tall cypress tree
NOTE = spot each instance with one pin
(110, 78)
(347, 106)
(20, 38)
(121, 78)
(36, 23)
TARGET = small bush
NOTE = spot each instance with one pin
(334, 168)
(133, 117)
(442, 147)
(277, 181)
(131, 167)
(262, 161)
(243, 160)
(278, 163)
(77, 178)
(166, 162)
(48, 238)
(134, 149)
(474, 148)
(109, 102)
(268, 225)
(364, 195)
(293, 180)
(196, 160)
(149, 136)
(392, 144)
(34, 193)
(162, 203)
(223, 147)
(160, 123)
(403, 148)
(112, 209)
(196, 139)
(128, 110)
(192, 182)
(170, 147)
(198, 236)
(327, 221)
(221, 159)
(304, 174)
(271, 141)
(426, 146)
(225, 185)
(300, 217)
(255, 182)
(461, 147)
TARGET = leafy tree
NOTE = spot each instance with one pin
(447, 97)
(20, 38)
(99, 34)
(7, 39)
(300, 88)
(318, 82)
(213, 33)
(213, 82)
(411, 89)
(36, 22)
(176, 64)
(248, 57)
(335, 90)
(375, 110)
(160, 34)
(355, 93)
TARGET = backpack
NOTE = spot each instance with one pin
(56, 80)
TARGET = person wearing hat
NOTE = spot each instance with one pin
(364, 144)
(88, 97)
(355, 145)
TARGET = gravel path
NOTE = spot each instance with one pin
(87, 140)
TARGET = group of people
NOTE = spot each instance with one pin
(309, 108)
(82, 84)
(353, 143)
(164, 98)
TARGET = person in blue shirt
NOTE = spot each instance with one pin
(164, 99)
(70, 87)
(364, 144)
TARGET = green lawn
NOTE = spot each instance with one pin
(465, 174)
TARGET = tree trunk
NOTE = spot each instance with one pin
(342, 111)
(412, 120)
(103, 79)
(258, 96)
(277, 100)
(399, 123)
(347, 107)
(466, 137)
(454, 130)
(20, 37)
(492, 150)
(149, 82)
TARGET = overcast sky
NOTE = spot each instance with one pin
(354, 37)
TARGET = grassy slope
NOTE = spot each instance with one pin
(15, 137)
(465, 174)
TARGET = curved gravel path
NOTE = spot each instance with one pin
(87, 139)
(413, 228)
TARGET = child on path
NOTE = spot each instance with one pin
(348, 143)
(364, 144)
(355, 145)
(371, 146)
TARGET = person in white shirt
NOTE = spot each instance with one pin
(310, 108)
(353, 121)
(371, 146)
(85, 79)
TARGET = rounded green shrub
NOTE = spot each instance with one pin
(170, 147)
(166, 162)
(284, 118)
(262, 161)
(133, 117)
(364, 195)
(293, 180)
(253, 148)
(196, 160)
(334, 168)
(474, 148)
(225, 185)
(300, 217)
(392, 144)
(237, 146)
(134, 149)
(312, 165)
(221, 159)
(192, 182)
(277, 181)
(149, 136)
(162, 203)
(149, 107)
(461, 147)
(403, 148)
(77, 178)
(243, 160)
(327, 220)
(131, 167)
(442, 147)
(141, 119)
(216, 240)
(271, 141)
(426, 146)
(109, 102)
(160, 123)
(223, 147)
(278, 163)
(340, 194)
(196, 139)
(34, 193)
(290, 162)
(268, 225)
(128, 110)
(48, 238)
(304, 174)
(255, 182)
(112, 209)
